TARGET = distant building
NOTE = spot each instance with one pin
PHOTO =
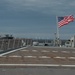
(7, 36)
(71, 42)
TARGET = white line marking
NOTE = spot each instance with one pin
(71, 57)
(45, 51)
(55, 65)
(15, 56)
(30, 56)
(12, 51)
(65, 51)
(34, 50)
(44, 57)
(60, 57)
(55, 51)
(25, 50)
(67, 65)
(42, 65)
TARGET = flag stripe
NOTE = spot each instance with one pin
(65, 20)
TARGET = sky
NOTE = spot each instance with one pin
(36, 18)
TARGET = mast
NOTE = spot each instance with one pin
(58, 40)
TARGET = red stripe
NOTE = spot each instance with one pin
(65, 21)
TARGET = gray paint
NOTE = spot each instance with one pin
(37, 71)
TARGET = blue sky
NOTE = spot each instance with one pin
(35, 18)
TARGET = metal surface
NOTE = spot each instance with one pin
(37, 71)
(40, 55)
(38, 61)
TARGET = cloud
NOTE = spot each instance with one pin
(60, 7)
(34, 14)
(43, 6)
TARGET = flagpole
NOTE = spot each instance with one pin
(57, 31)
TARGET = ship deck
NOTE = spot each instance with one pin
(40, 56)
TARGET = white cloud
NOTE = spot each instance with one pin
(50, 7)
(35, 4)
(56, 7)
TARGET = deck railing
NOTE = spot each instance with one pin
(10, 44)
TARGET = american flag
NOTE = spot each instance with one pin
(65, 20)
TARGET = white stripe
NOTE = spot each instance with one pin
(30, 56)
(65, 51)
(60, 57)
(67, 65)
(44, 57)
(71, 57)
(25, 50)
(44, 65)
(12, 51)
(55, 51)
(34, 50)
(15, 56)
(55, 65)
(45, 51)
